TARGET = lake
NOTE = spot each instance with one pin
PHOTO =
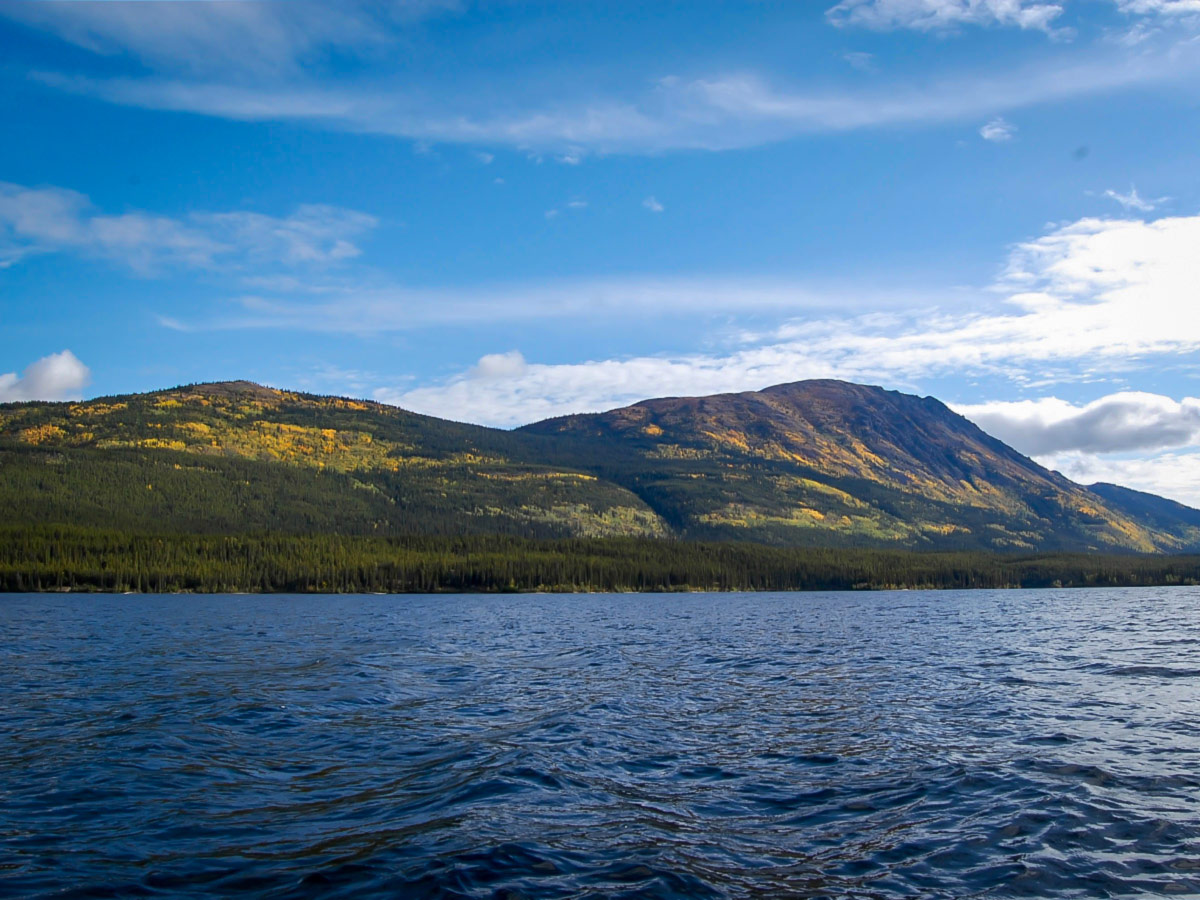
(892, 744)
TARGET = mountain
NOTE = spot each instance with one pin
(828, 461)
(815, 463)
(236, 457)
(1155, 511)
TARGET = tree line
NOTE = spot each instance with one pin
(54, 558)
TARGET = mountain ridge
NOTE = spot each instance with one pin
(883, 446)
(818, 462)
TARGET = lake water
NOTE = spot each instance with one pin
(899, 744)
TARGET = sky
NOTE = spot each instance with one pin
(500, 211)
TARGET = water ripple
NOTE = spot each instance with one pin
(984, 744)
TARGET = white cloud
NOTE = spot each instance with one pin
(653, 205)
(539, 391)
(1083, 295)
(998, 130)
(1076, 302)
(1175, 475)
(59, 376)
(1133, 201)
(39, 220)
(1118, 423)
(941, 15)
(1096, 441)
(53, 219)
(499, 366)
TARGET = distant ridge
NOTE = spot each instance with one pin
(810, 463)
(1151, 508)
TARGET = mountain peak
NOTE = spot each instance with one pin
(857, 460)
(238, 388)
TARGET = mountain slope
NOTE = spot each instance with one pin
(1152, 510)
(819, 463)
(828, 461)
(237, 456)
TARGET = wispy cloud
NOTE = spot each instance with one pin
(334, 65)
(59, 376)
(333, 307)
(1068, 305)
(1133, 201)
(245, 38)
(720, 112)
(36, 220)
(998, 130)
(653, 205)
(1160, 7)
(942, 15)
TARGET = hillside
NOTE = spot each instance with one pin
(819, 463)
(1154, 511)
(236, 457)
(828, 461)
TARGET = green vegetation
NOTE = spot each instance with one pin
(41, 559)
(234, 486)
(234, 458)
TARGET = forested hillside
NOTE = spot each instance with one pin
(811, 464)
(238, 457)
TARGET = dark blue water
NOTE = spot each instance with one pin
(991, 744)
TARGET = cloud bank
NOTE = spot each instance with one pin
(1118, 423)
(1072, 305)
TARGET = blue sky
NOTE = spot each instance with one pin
(501, 211)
